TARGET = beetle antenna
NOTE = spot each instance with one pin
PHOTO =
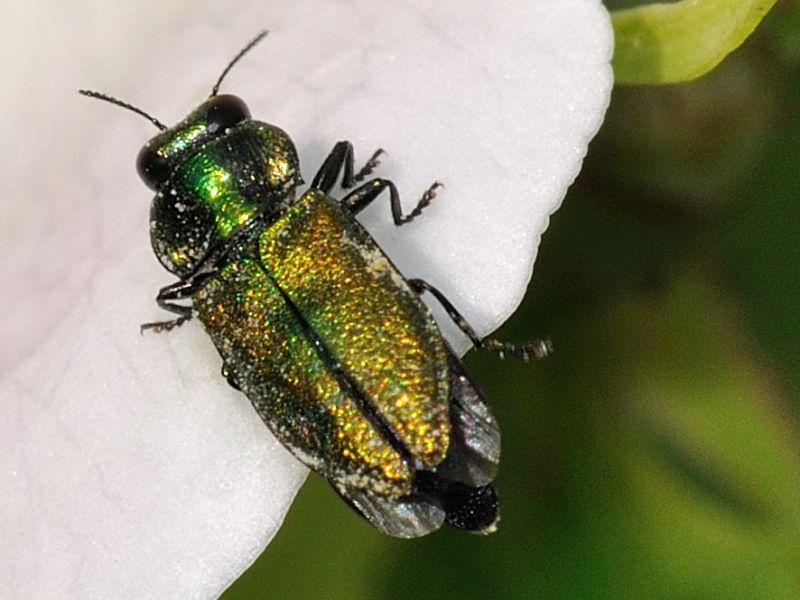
(112, 100)
(236, 58)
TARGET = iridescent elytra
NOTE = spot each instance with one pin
(314, 323)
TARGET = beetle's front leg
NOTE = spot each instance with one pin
(340, 160)
(536, 348)
(166, 299)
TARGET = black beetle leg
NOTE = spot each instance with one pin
(165, 299)
(340, 160)
(360, 197)
(230, 378)
(536, 348)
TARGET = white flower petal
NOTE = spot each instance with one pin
(129, 468)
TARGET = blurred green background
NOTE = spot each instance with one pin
(655, 454)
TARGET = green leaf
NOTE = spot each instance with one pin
(670, 43)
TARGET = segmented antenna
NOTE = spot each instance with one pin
(214, 90)
(131, 107)
(236, 58)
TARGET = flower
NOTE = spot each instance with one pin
(130, 468)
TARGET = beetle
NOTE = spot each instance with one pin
(314, 323)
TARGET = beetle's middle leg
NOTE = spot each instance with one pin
(166, 299)
(340, 160)
(359, 199)
(536, 348)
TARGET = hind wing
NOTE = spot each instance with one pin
(474, 453)
(405, 517)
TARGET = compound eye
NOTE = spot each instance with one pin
(224, 112)
(152, 168)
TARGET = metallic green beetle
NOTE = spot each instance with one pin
(314, 323)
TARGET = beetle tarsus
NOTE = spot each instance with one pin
(424, 201)
(367, 169)
(527, 350)
(165, 299)
(159, 326)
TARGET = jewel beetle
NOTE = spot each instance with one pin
(314, 323)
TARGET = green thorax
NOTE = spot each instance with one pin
(217, 180)
(237, 174)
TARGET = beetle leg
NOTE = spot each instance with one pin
(536, 348)
(230, 378)
(360, 197)
(166, 300)
(340, 160)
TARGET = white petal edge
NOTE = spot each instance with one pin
(129, 468)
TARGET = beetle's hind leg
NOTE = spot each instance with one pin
(340, 161)
(536, 348)
(166, 299)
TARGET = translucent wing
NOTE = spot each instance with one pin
(406, 517)
(474, 453)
